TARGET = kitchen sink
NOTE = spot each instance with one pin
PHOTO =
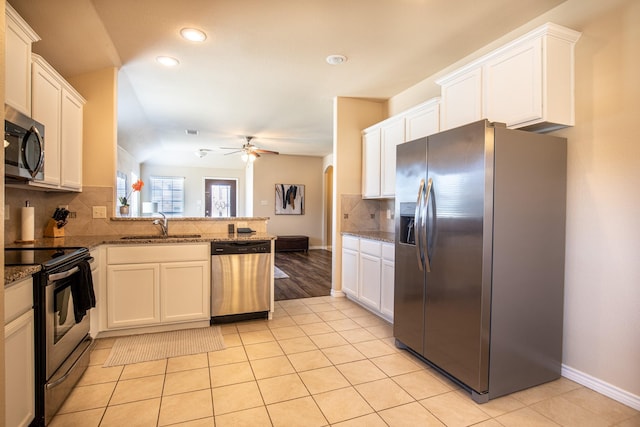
(159, 236)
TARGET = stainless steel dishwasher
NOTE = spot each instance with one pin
(240, 279)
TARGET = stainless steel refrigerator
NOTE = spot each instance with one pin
(480, 240)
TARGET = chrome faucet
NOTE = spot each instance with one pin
(164, 224)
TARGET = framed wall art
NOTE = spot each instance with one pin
(289, 199)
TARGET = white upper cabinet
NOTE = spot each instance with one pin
(379, 157)
(47, 93)
(379, 144)
(516, 71)
(392, 134)
(71, 140)
(18, 39)
(371, 162)
(461, 98)
(59, 108)
(528, 83)
(422, 120)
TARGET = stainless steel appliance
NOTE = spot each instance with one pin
(23, 146)
(479, 274)
(240, 279)
(62, 340)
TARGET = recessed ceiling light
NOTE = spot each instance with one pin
(167, 61)
(336, 59)
(193, 34)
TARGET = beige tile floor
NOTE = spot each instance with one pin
(320, 361)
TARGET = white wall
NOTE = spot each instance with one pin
(350, 116)
(194, 185)
(283, 169)
(602, 275)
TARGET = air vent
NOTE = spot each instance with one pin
(192, 131)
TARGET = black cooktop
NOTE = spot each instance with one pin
(46, 257)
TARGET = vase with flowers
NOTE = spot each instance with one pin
(124, 200)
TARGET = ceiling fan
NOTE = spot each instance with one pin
(249, 151)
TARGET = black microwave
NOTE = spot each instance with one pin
(23, 146)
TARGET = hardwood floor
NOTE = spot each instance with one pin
(309, 274)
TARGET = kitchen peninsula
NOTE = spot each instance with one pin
(147, 282)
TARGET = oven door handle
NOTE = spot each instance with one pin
(66, 375)
(59, 276)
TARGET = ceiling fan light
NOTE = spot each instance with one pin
(252, 157)
(244, 157)
(193, 34)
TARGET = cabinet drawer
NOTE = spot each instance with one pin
(135, 254)
(349, 242)
(388, 252)
(18, 299)
(371, 247)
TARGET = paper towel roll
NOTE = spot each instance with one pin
(26, 256)
(28, 223)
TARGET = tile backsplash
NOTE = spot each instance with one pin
(83, 224)
(360, 214)
(45, 203)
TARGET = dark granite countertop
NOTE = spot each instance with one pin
(14, 273)
(383, 236)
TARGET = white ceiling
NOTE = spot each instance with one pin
(262, 69)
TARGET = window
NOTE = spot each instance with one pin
(133, 195)
(123, 189)
(168, 193)
(122, 185)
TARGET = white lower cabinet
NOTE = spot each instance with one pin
(350, 247)
(182, 294)
(388, 280)
(19, 365)
(173, 288)
(133, 295)
(96, 276)
(368, 273)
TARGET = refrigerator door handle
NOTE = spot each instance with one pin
(427, 197)
(416, 224)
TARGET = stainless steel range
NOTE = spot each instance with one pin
(63, 295)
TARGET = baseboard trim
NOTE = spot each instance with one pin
(326, 248)
(337, 294)
(602, 387)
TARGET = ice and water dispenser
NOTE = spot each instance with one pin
(407, 223)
